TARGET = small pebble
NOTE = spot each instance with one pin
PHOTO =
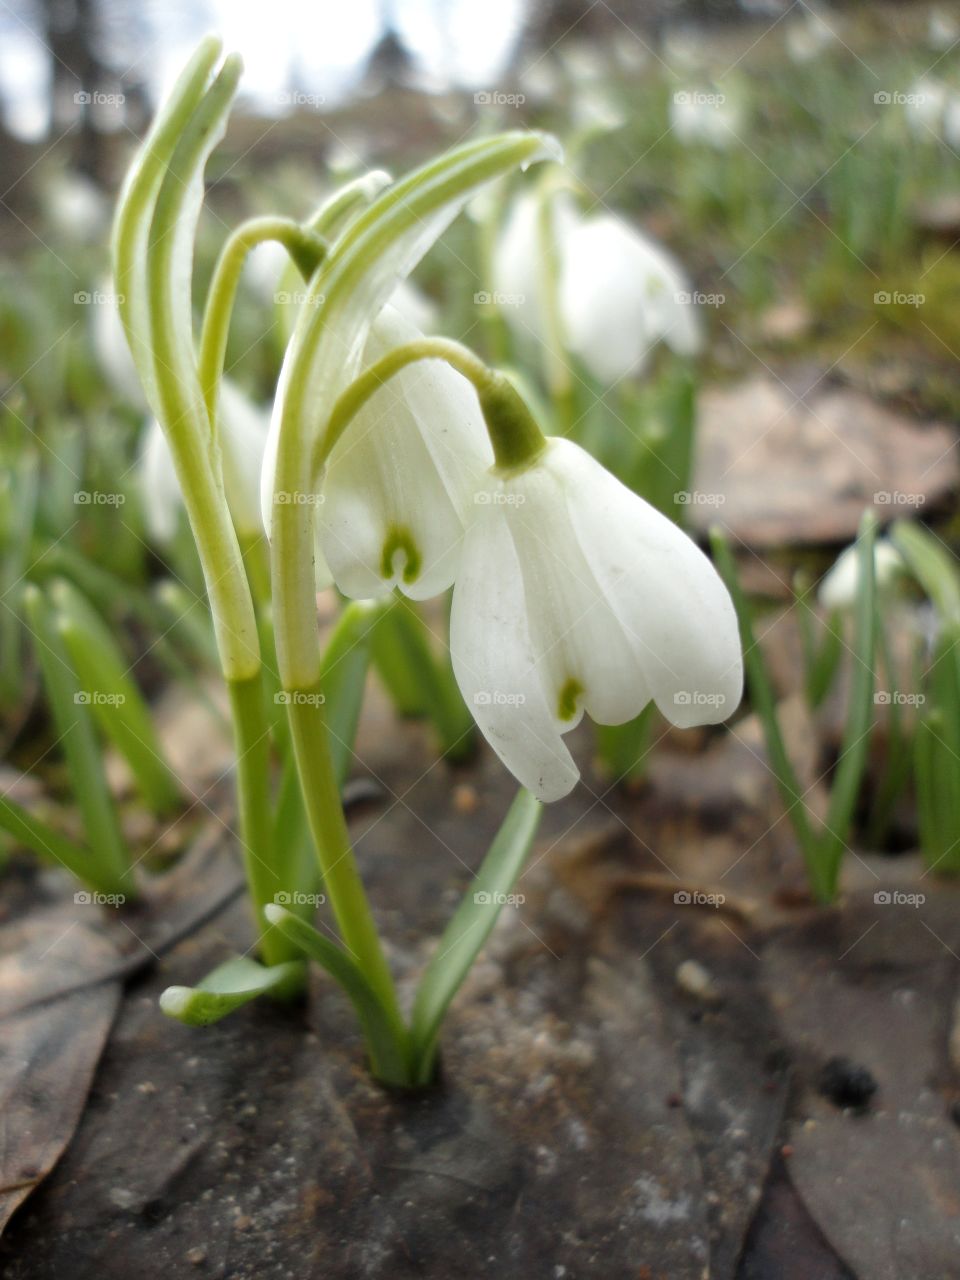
(465, 799)
(846, 1083)
(197, 1257)
(693, 979)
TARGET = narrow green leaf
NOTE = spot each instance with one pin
(232, 984)
(386, 1038)
(117, 703)
(825, 660)
(932, 565)
(623, 748)
(54, 847)
(70, 706)
(420, 682)
(343, 675)
(764, 702)
(855, 747)
(470, 927)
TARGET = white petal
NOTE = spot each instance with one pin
(414, 306)
(667, 595)
(243, 436)
(404, 473)
(585, 658)
(619, 295)
(495, 665)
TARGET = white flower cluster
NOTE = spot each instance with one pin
(571, 593)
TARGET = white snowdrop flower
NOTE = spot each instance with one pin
(839, 586)
(401, 481)
(700, 116)
(618, 293)
(243, 437)
(925, 106)
(576, 595)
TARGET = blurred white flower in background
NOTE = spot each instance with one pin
(75, 207)
(839, 586)
(932, 112)
(943, 29)
(707, 117)
(113, 351)
(617, 292)
(243, 438)
(808, 36)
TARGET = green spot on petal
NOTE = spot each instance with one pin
(569, 696)
(400, 539)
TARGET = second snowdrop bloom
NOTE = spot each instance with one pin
(401, 482)
(616, 293)
(575, 595)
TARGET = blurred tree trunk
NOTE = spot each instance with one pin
(71, 34)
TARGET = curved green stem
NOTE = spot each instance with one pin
(341, 879)
(305, 248)
(517, 440)
(335, 212)
(181, 404)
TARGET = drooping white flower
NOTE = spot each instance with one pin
(839, 586)
(400, 483)
(576, 595)
(243, 437)
(618, 293)
(699, 116)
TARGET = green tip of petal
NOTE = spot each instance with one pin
(400, 540)
(569, 698)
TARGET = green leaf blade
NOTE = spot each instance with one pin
(470, 927)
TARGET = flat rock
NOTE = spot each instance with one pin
(776, 467)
